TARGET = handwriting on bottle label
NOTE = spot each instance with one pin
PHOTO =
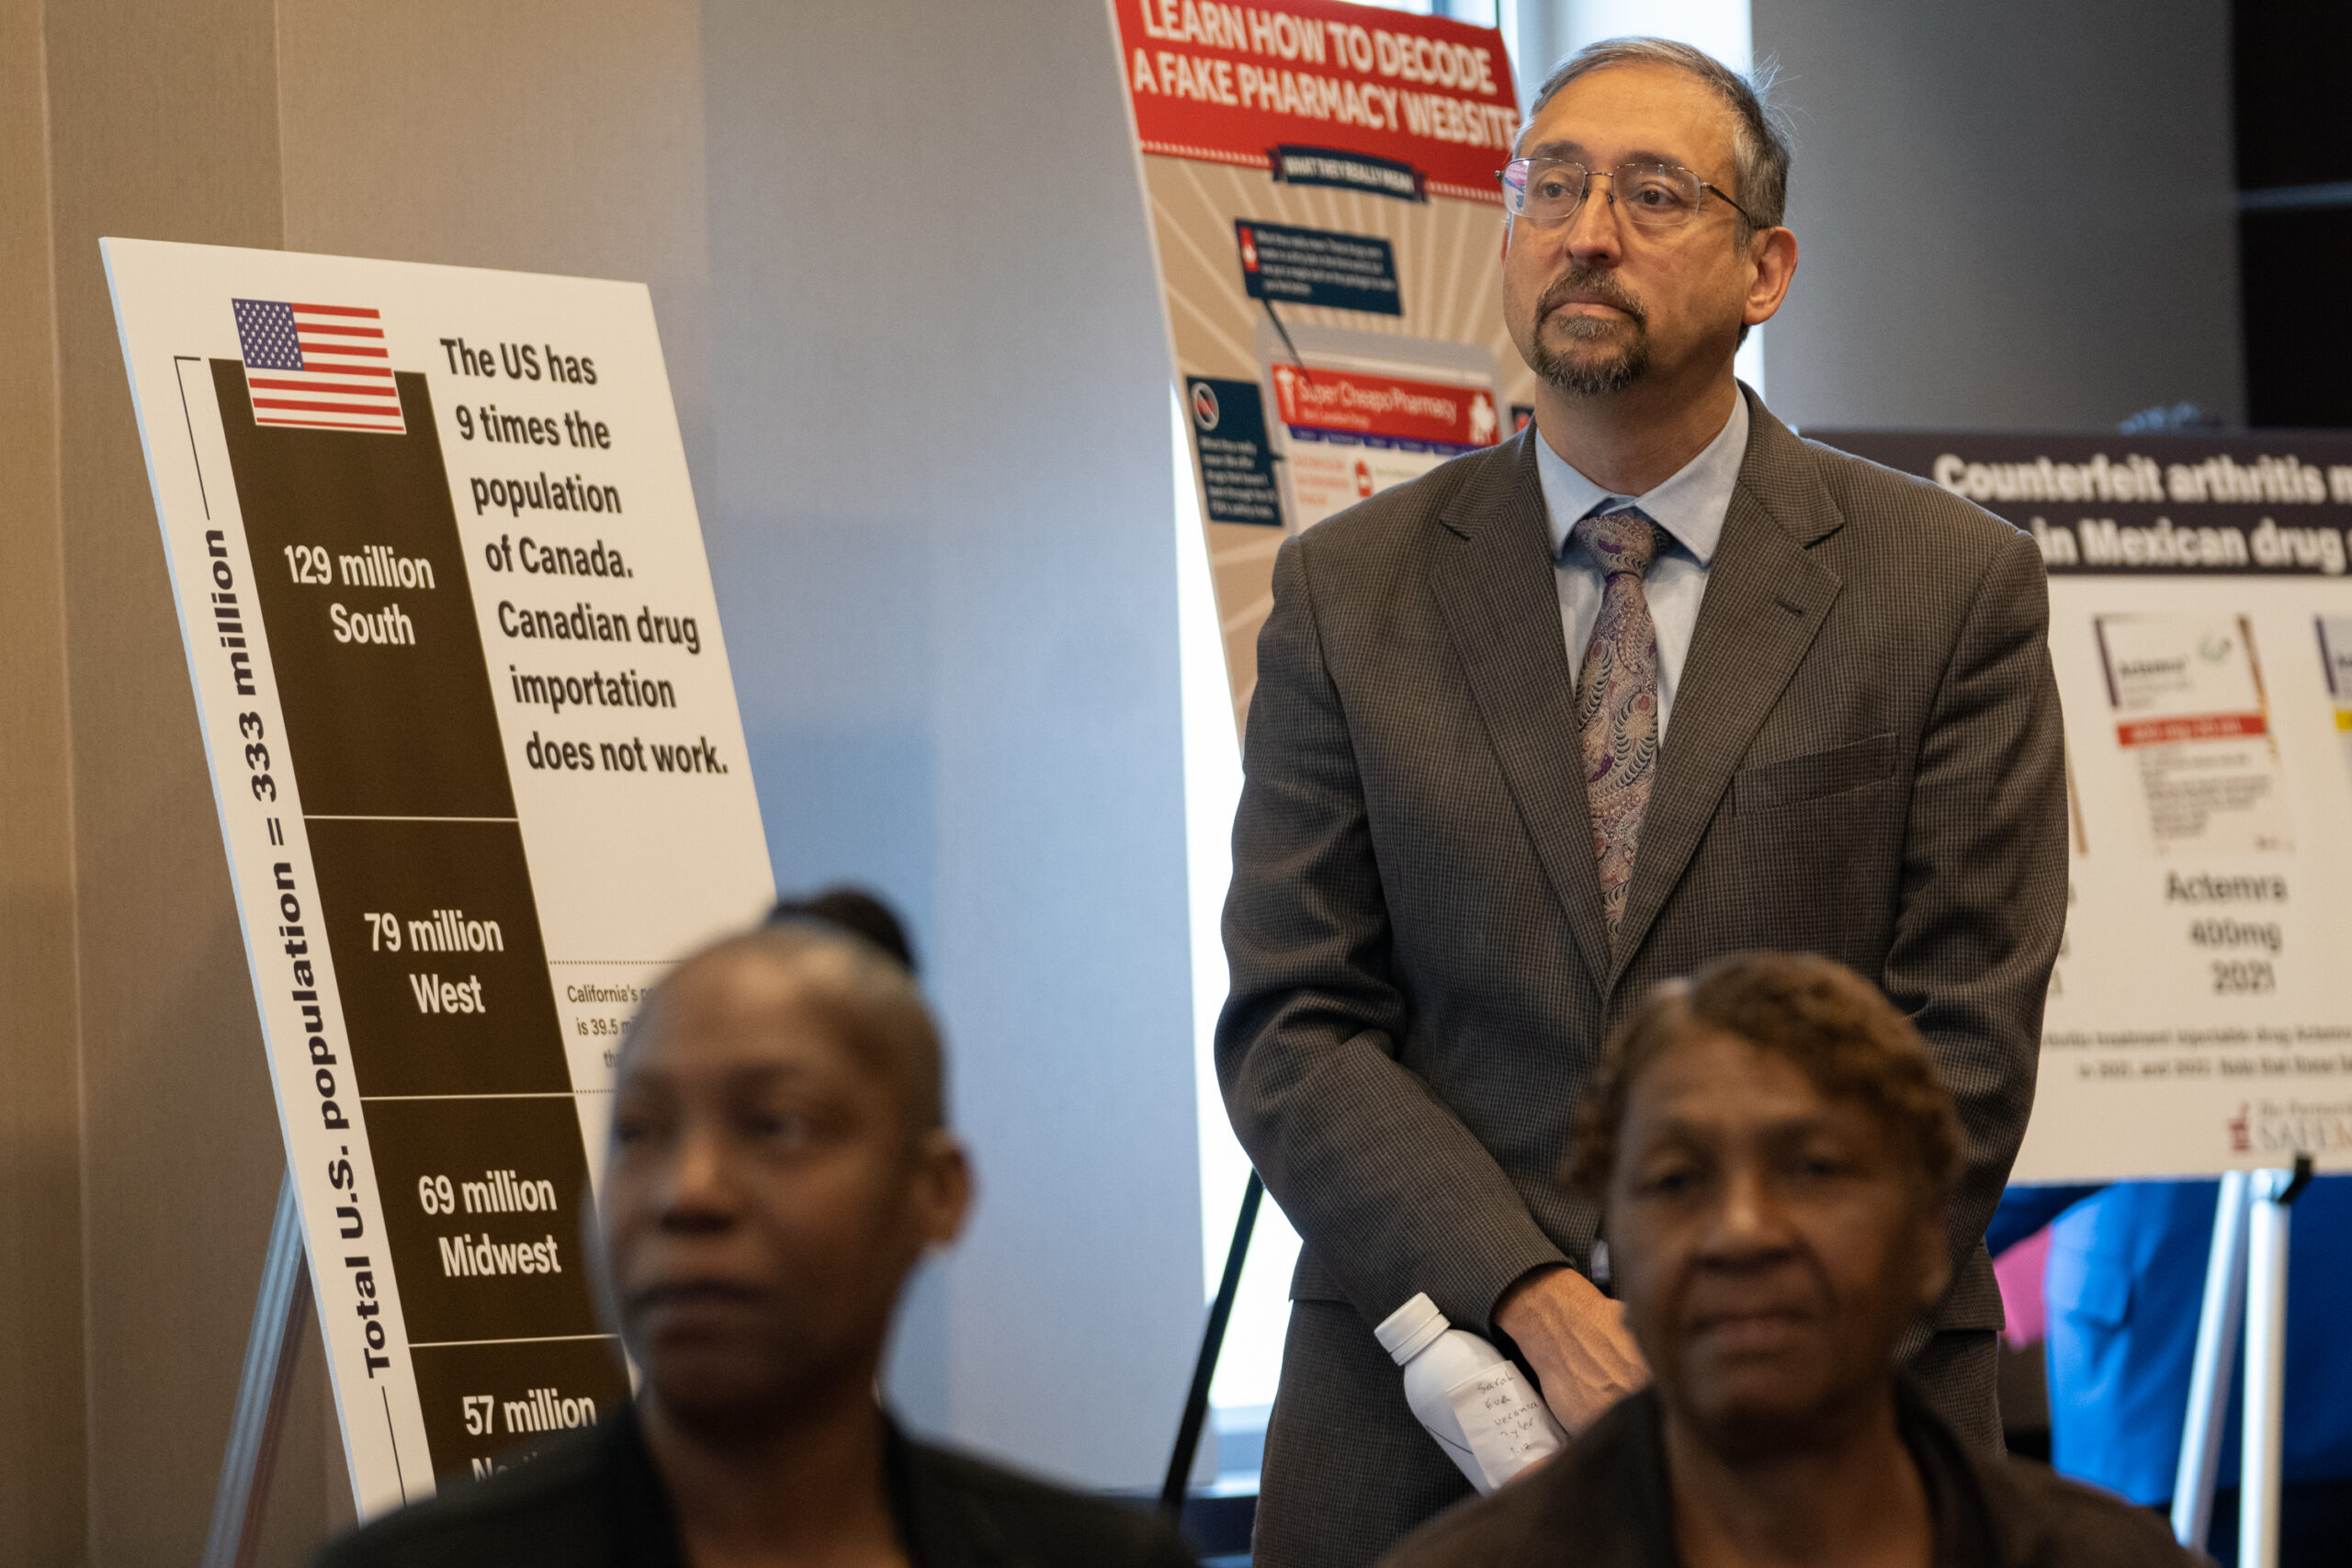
(1505, 1421)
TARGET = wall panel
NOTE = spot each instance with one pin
(947, 562)
(2009, 213)
(163, 123)
(41, 1469)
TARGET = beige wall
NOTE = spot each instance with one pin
(41, 1467)
(561, 136)
(160, 125)
(139, 1150)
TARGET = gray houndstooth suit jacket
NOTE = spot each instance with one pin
(1865, 761)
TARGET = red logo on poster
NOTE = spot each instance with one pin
(2195, 726)
(1224, 82)
(1286, 392)
(1363, 477)
(1383, 405)
(1482, 421)
(1249, 249)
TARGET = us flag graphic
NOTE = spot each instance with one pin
(320, 366)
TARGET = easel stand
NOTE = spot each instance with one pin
(1196, 1398)
(281, 1310)
(2245, 1279)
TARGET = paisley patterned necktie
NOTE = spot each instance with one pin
(1617, 698)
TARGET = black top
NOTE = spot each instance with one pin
(594, 1501)
(1604, 1503)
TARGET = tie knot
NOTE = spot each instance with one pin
(1623, 540)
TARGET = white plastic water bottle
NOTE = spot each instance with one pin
(1472, 1398)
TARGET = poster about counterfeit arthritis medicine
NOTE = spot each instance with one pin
(2201, 601)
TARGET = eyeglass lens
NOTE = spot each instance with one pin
(1545, 191)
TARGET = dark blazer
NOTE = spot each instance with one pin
(594, 1501)
(1605, 1503)
(1864, 760)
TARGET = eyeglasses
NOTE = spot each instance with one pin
(1547, 192)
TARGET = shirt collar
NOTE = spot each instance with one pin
(1689, 505)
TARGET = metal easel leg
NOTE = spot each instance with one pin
(281, 1312)
(1196, 1399)
(2208, 1379)
(2263, 1455)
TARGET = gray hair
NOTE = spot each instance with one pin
(1760, 141)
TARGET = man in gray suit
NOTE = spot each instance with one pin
(1653, 681)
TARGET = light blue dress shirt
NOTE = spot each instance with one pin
(1689, 507)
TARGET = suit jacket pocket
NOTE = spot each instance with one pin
(1796, 780)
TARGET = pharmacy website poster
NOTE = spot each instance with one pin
(2201, 623)
(480, 774)
(1322, 187)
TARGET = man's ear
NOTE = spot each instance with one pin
(942, 1186)
(1774, 253)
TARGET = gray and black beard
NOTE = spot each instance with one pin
(1585, 378)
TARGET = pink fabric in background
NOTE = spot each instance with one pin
(2019, 1271)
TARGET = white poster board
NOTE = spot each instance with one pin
(480, 776)
(2200, 625)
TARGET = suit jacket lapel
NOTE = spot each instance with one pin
(1766, 600)
(1501, 603)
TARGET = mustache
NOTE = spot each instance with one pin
(1589, 283)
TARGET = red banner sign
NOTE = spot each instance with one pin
(1385, 407)
(1230, 83)
(2196, 727)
